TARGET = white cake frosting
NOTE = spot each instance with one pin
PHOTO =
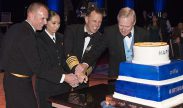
(151, 82)
(168, 103)
(151, 53)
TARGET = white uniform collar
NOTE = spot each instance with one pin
(51, 36)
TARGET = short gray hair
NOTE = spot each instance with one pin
(126, 12)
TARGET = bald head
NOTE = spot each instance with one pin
(37, 14)
(35, 6)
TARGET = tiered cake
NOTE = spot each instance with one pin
(151, 80)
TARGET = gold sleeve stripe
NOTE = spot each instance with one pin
(72, 61)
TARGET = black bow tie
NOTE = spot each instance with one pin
(86, 34)
(129, 35)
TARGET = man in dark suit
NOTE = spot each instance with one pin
(119, 40)
(20, 60)
(79, 39)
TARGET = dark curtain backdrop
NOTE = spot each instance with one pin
(173, 7)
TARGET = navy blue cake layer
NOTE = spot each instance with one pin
(149, 92)
(158, 73)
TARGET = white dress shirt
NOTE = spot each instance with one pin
(87, 40)
(129, 40)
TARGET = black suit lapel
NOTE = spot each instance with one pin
(47, 39)
(59, 40)
(81, 41)
(119, 40)
(49, 43)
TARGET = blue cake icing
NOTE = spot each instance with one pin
(149, 92)
(158, 73)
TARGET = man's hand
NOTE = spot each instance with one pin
(82, 67)
(82, 78)
(71, 79)
(80, 71)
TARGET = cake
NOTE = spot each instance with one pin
(158, 84)
(152, 53)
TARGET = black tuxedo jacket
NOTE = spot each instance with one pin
(20, 54)
(74, 41)
(113, 41)
(52, 55)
